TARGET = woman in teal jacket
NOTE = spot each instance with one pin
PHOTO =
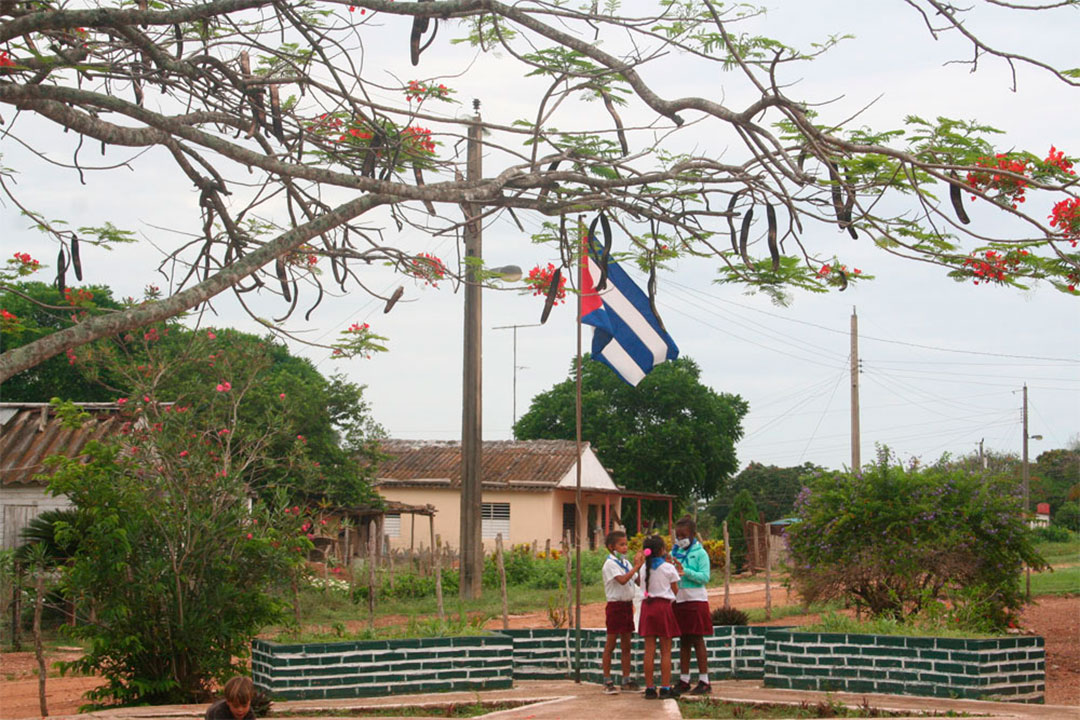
(692, 605)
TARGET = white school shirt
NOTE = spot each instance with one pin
(660, 579)
(613, 589)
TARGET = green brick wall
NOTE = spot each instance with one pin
(734, 652)
(359, 669)
(1010, 669)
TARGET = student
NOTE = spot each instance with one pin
(239, 692)
(660, 582)
(692, 605)
(619, 612)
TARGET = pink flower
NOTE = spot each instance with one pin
(183, 453)
(146, 398)
(305, 527)
(322, 522)
(224, 387)
(210, 334)
(311, 536)
(223, 431)
(121, 401)
(282, 396)
(296, 509)
(249, 536)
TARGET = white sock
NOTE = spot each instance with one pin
(685, 678)
(703, 678)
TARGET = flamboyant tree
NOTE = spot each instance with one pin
(306, 155)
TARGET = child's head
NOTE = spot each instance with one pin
(616, 542)
(685, 529)
(655, 545)
(239, 692)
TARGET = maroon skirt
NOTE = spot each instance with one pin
(693, 618)
(657, 618)
(619, 616)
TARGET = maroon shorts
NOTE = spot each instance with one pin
(619, 617)
(657, 618)
(693, 618)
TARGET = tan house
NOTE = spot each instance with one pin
(528, 491)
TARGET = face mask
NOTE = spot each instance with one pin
(683, 543)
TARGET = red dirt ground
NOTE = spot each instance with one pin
(1056, 618)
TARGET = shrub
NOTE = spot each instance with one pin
(729, 616)
(1068, 515)
(1054, 534)
(742, 509)
(715, 548)
(896, 539)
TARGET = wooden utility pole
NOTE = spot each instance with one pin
(579, 519)
(1026, 474)
(856, 456)
(470, 542)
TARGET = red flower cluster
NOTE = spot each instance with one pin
(5, 59)
(540, 279)
(419, 93)
(826, 269)
(1074, 278)
(77, 296)
(428, 268)
(357, 132)
(1057, 159)
(1066, 218)
(993, 266)
(25, 259)
(8, 317)
(992, 179)
(355, 328)
(419, 138)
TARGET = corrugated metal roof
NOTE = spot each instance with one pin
(31, 432)
(518, 464)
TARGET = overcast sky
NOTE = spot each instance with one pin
(942, 362)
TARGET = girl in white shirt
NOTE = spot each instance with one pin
(661, 583)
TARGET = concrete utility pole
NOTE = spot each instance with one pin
(471, 543)
(856, 455)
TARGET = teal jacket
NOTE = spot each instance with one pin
(696, 570)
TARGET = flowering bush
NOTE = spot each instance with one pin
(897, 540)
(715, 548)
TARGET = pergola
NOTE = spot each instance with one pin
(632, 494)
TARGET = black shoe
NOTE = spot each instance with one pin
(702, 688)
(681, 686)
(668, 693)
(650, 693)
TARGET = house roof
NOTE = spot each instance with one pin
(31, 432)
(538, 465)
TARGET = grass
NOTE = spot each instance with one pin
(757, 615)
(832, 622)
(711, 708)
(1062, 581)
(1060, 552)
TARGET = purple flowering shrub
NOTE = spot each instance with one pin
(904, 541)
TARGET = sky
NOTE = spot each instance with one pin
(942, 363)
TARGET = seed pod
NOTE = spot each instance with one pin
(552, 293)
(837, 195)
(61, 266)
(76, 261)
(744, 234)
(843, 280)
(318, 301)
(394, 298)
(770, 216)
(279, 267)
(275, 112)
(731, 220)
(956, 195)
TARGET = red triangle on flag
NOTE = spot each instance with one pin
(590, 299)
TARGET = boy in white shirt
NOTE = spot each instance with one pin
(619, 612)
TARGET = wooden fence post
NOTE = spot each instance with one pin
(372, 559)
(436, 549)
(768, 575)
(389, 560)
(569, 584)
(39, 652)
(727, 567)
(547, 548)
(502, 579)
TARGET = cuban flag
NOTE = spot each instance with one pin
(627, 336)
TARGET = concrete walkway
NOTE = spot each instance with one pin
(549, 700)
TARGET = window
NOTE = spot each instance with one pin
(392, 524)
(495, 519)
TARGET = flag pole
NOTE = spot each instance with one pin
(577, 496)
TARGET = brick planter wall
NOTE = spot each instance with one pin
(734, 652)
(384, 667)
(1011, 669)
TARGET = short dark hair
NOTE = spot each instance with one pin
(687, 522)
(239, 690)
(613, 537)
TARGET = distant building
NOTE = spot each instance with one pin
(1042, 516)
(528, 489)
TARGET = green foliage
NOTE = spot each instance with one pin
(1068, 516)
(772, 488)
(832, 622)
(898, 540)
(743, 508)
(1055, 476)
(43, 311)
(634, 430)
(1054, 534)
